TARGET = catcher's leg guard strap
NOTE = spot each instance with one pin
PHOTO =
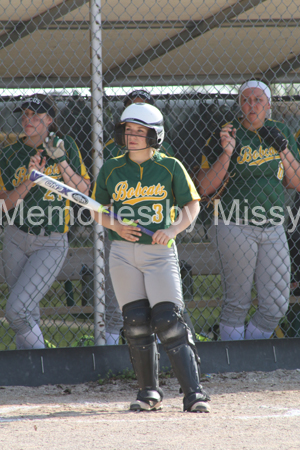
(167, 322)
(142, 344)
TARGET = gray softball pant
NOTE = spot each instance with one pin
(140, 271)
(250, 254)
(31, 265)
(113, 315)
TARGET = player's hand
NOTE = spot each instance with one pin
(162, 237)
(274, 138)
(55, 148)
(228, 138)
(128, 232)
(37, 162)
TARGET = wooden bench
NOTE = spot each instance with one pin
(200, 256)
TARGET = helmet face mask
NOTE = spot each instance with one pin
(143, 114)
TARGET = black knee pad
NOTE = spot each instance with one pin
(137, 319)
(167, 322)
(142, 345)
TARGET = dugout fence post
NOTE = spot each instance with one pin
(97, 145)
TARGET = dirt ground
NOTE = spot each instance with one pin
(250, 411)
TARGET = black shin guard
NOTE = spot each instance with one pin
(168, 323)
(142, 348)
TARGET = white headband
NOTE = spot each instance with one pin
(255, 84)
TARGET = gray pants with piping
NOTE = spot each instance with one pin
(250, 254)
(31, 265)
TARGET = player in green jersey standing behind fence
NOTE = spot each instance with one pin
(111, 150)
(35, 244)
(261, 157)
(149, 187)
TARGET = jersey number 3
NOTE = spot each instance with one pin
(158, 217)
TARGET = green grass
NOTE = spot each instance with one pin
(72, 330)
(68, 329)
(206, 288)
(58, 335)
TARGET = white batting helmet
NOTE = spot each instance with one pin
(144, 114)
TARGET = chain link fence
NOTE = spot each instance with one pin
(192, 57)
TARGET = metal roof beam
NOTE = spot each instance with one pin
(181, 80)
(181, 38)
(282, 70)
(23, 29)
(9, 25)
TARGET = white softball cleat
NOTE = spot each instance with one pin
(147, 400)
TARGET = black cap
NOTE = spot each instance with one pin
(36, 104)
(140, 93)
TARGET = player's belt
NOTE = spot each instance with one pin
(35, 231)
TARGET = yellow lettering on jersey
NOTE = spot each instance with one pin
(158, 213)
(52, 170)
(50, 196)
(20, 176)
(48, 171)
(138, 194)
(280, 173)
(120, 191)
(130, 193)
(257, 157)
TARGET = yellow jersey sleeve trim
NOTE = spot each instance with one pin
(115, 168)
(67, 216)
(94, 191)
(204, 163)
(2, 187)
(83, 171)
(111, 141)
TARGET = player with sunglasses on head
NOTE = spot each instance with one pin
(259, 158)
(35, 245)
(149, 187)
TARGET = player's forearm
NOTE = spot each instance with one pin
(291, 169)
(106, 221)
(19, 193)
(128, 232)
(74, 180)
(211, 179)
(186, 216)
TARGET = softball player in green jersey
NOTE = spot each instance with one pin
(148, 187)
(112, 150)
(293, 230)
(261, 157)
(35, 240)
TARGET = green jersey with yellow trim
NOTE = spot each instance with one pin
(149, 192)
(257, 173)
(112, 150)
(297, 138)
(40, 208)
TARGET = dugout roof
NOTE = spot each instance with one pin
(46, 43)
